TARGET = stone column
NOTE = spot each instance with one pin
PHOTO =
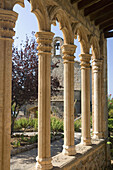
(85, 98)
(7, 23)
(68, 52)
(96, 64)
(105, 92)
(101, 100)
(44, 40)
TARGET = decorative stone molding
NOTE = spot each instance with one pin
(68, 52)
(40, 10)
(94, 41)
(85, 60)
(82, 33)
(44, 164)
(96, 65)
(7, 23)
(56, 13)
(44, 40)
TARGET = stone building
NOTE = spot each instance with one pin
(57, 101)
(92, 21)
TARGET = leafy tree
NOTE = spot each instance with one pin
(110, 106)
(25, 76)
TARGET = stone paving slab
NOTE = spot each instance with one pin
(27, 160)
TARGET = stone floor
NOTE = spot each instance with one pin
(27, 160)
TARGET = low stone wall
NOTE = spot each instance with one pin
(87, 158)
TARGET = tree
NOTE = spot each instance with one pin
(25, 76)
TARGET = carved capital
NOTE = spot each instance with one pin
(85, 60)
(97, 65)
(7, 23)
(44, 40)
(68, 51)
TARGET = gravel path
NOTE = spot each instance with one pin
(27, 160)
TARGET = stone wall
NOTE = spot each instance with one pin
(59, 70)
(57, 104)
(95, 157)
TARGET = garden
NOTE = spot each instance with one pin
(23, 126)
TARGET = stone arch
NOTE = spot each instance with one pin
(57, 14)
(95, 47)
(8, 5)
(40, 10)
(55, 39)
(80, 31)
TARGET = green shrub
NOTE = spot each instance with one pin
(36, 114)
(77, 125)
(110, 124)
(21, 123)
(33, 139)
(33, 123)
(24, 123)
(111, 113)
(56, 125)
(91, 121)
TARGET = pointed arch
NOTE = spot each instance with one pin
(94, 41)
(57, 14)
(82, 34)
(40, 10)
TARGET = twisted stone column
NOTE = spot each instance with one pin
(7, 23)
(44, 40)
(68, 52)
(85, 98)
(96, 65)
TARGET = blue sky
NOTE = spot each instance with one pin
(27, 23)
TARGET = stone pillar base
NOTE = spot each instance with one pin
(98, 135)
(86, 142)
(69, 150)
(43, 164)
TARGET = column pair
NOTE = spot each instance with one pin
(85, 98)
(44, 40)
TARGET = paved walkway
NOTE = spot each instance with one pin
(27, 160)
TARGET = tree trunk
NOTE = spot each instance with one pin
(12, 125)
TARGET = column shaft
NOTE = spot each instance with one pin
(85, 98)
(7, 23)
(97, 133)
(69, 146)
(44, 40)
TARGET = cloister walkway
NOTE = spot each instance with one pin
(27, 160)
